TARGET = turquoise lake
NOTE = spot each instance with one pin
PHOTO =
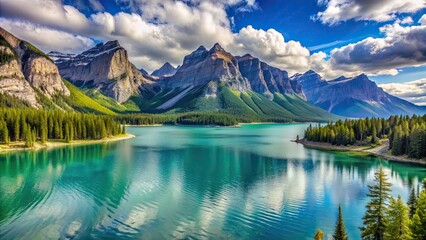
(179, 182)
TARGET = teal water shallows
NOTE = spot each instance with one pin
(189, 182)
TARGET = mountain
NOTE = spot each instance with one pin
(166, 70)
(26, 72)
(143, 71)
(266, 79)
(105, 67)
(353, 97)
(102, 80)
(216, 81)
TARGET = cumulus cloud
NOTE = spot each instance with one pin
(422, 20)
(378, 10)
(271, 47)
(414, 91)
(47, 39)
(50, 13)
(400, 47)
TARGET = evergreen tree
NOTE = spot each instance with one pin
(16, 128)
(418, 226)
(29, 140)
(374, 218)
(319, 235)
(412, 201)
(340, 231)
(123, 130)
(398, 221)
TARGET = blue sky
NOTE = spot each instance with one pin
(386, 39)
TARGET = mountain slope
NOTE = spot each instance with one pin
(225, 99)
(353, 97)
(25, 71)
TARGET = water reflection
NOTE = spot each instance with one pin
(222, 186)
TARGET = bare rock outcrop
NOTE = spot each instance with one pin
(105, 66)
(24, 68)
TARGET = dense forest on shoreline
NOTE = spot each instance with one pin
(40, 125)
(407, 135)
(191, 118)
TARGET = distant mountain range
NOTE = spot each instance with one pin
(103, 80)
(353, 97)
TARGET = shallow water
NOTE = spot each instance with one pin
(190, 182)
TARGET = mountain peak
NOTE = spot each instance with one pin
(217, 48)
(166, 70)
(201, 49)
(310, 72)
(112, 44)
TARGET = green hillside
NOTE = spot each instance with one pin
(249, 105)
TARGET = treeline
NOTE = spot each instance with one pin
(407, 135)
(39, 125)
(181, 119)
(387, 217)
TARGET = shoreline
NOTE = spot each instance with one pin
(380, 151)
(20, 146)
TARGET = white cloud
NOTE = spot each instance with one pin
(407, 20)
(422, 20)
(47, 39)
(376, 10)
(50, 13)
(271, 47)
(414, 91)
(400, 47)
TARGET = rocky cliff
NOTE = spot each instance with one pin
(24, 68)
(244, 73)
(353, 97)
(105, 66)
(203, 66)
(266, 79)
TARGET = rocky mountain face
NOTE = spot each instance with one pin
(24, 69)
(203, 66)
(166, 70)
(353, 97)
(266, 79)
(240, 73)
(105, 66)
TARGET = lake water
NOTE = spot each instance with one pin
(189, 183)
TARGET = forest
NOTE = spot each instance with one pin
(40, 125)
(387, 217)
(192, 118)
(406, 135)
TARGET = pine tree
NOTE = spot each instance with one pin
(398, 221)
(418, 225)
(29, 139)
(319, 235)
(374, 218)
(340, 231)
(16, 128)
(374, 135)
(123, 130)
(412, 201)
